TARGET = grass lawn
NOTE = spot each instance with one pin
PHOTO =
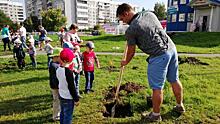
(26, 97)
(196, 42)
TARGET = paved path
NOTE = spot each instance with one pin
(137, 54)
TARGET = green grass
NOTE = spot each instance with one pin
(26, 97)
(190, 42)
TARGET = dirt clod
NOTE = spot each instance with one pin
(191, 60)
(111, 69)
(127, 88)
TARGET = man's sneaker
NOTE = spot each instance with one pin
(56, 118)
(151, 118)
(179, 109)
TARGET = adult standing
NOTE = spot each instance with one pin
(42, 36)
(23, 32)
(146, 32)
(72, 36)
(5, 37)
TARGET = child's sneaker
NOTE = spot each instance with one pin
(179, 109)
(151, 118)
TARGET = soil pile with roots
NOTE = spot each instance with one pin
(191, 60)
(123, 109)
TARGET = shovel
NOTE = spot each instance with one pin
(119, 84)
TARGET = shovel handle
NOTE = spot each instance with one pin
(121, 72)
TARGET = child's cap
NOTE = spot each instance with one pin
(48, 39)
(56, 52)
(66, 55)
(18, 41)
(90, 44)
(68, 45)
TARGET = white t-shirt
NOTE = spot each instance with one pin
(48, 48)
(22, 31)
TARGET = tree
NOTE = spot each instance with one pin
(31, 23)
(53, 19)
(143, 9)
(5, 20)
(160, 10)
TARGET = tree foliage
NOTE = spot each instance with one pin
(53, 19)
(4, 20)
(31, 23)
(160, 10)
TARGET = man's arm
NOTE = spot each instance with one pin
(130, 54)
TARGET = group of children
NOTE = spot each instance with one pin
(64, 69)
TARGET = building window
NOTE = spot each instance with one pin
(169, 18)
(182, 17)
(182, 1)
(174, 18)
(175, 2)
(190, 17)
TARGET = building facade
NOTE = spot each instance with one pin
(14, 10)
(34, 7)
(86, 13)
(207, 15)
(180, 15)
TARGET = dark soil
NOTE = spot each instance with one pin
(111, 69)
(122, 109)
(135, 68)
(191, 60)
(127, 88)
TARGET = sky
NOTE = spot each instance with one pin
(147, 4)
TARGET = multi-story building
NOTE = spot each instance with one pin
(180, 15)
(34, 7)
(86, 13)
(14, 10)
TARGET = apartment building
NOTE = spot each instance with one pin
(35, 7)
(14, 10)
(86, 13)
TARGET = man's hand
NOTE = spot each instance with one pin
(76, 103)
(123, 63)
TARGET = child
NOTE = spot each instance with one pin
(77, 68)
(32, 53)
(54, 64)
(19, 53)
(49, 49)
(67, 89)
(89, 58)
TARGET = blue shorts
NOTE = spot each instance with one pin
(161, 68)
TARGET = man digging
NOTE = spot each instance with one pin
(146, 32)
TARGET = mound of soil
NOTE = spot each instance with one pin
(122, 109)
(129, 87)
(191, 60)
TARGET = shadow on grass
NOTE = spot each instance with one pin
(197, 39)
(33, 120)
(25, 104)
(24, 81)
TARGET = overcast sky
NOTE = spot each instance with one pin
(147, 4)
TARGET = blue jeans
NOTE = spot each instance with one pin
(66, 114)
(77, 78)
(33, 60)
(23, 40)
(89, 80)
(49, 59)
